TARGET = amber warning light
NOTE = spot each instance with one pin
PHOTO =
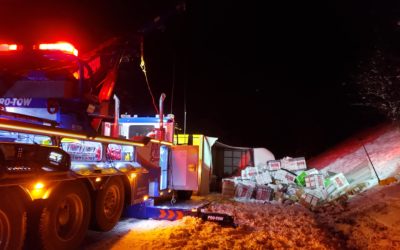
(60, 46)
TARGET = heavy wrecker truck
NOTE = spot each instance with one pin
(65, 163)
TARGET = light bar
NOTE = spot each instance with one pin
(162, 142)
(37, 129)
(117, 141)
(60, 46)
(8, 47)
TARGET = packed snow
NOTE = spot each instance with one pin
(358, 220)
(369, 220)
(377, 148)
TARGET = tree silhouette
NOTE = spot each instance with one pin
(378, 84)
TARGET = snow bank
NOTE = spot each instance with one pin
(382, 145)
(371, 220)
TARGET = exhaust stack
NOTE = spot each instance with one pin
(161, 131)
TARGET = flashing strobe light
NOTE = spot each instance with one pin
(98, 179)
(8, 47)
(60, 46)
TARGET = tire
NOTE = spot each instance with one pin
(108, 205)
(12, 220)
(65, 217)
(184, 194)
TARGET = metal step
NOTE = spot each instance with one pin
(166, 210)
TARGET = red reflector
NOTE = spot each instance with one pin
(60, 46)
(8, 47)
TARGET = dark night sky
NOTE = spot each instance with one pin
(273, 75)
(277, 76)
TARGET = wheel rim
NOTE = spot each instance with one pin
(69, 216)
(111, 201)
(5, 230)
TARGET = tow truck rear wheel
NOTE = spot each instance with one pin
(65, 217)
(108, 205)
(12, 220)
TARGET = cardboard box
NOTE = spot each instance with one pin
(261, 168)
(330, 188)
(274, 165)
(251, 172)
(285, 176)
(294, 164)
(243, 191)
(300, 179)
(243, 173)
(228, 187)
(263, 178)
(340, 181)
(321, 194)
(264, 193)
(314, 181)
(309, 200)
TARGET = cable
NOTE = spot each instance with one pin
(373, 167)
(173, 83)
(143, 67)
(184, 108)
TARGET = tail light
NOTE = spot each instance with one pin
(60, 46)
(9, 47)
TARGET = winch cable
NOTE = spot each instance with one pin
(143, 67)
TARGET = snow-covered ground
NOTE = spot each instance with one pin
(377, 147)
(370, 220)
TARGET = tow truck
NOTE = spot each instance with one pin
(65, 163)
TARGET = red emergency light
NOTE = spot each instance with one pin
(9, 47)
(60, 46)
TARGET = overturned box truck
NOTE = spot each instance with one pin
(66, 163)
